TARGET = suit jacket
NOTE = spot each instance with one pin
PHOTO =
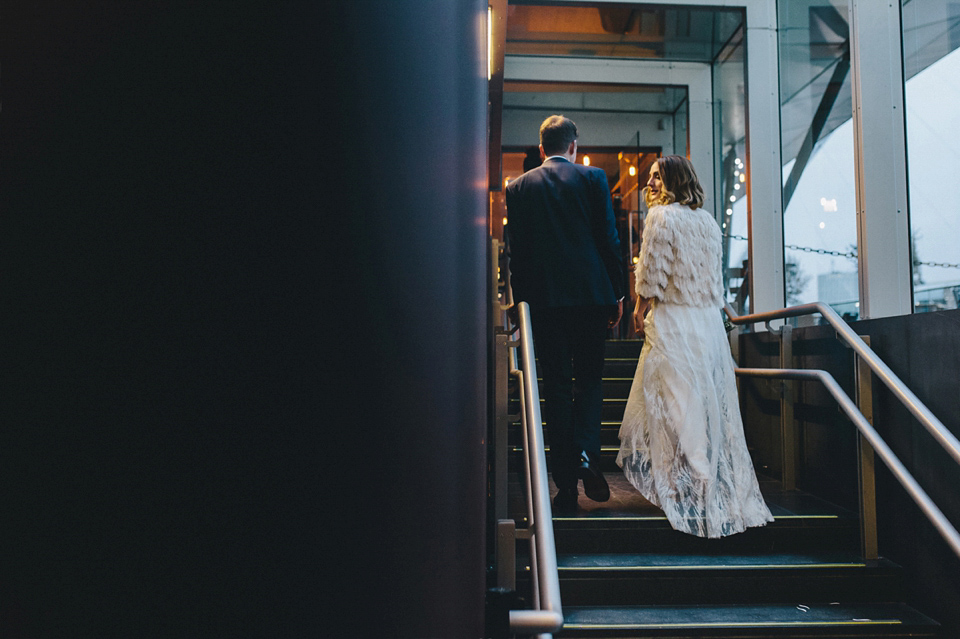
(564, 247)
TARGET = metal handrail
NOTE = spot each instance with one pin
(929, 421)
(548, 615)
(934, 514)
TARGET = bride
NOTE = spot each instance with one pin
(681, 440)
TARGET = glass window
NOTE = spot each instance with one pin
(730, 123)
(819, 189)
(619, 30)
(931, 64)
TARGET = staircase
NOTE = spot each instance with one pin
(624, 572)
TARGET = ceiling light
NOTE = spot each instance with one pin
(489, 43)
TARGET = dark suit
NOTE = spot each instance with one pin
(565, 263)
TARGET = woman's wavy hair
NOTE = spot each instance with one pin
(680, 183)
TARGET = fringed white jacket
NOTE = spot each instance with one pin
(680, 257)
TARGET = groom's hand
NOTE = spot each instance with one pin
(513, 314)
(616, 312)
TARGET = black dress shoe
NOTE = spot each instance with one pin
(594, 485)
(565, 502)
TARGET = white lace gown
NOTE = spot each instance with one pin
(681, 440)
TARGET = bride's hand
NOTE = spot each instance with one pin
(639, 313)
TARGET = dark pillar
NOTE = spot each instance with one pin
(404, 132)
(243, 272)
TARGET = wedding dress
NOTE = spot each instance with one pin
(681, 440)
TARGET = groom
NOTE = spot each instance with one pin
(565, 263)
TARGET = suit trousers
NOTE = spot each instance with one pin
(569, 344)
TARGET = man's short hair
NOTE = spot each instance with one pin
(556, 134)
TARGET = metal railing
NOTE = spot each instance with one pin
(890, 379)
(546, 615)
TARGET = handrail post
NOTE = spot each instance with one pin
(865, 462)
(880, 447)
(532, 521)
(934, 426)
(788, 431)
(501, 425)
(501, 371)
(507, 554)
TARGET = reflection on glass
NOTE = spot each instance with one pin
(681, 134)
(819, 190)
(730, 121)
(629, 186)
(931, 63)
(620, 31)
(630, 100)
